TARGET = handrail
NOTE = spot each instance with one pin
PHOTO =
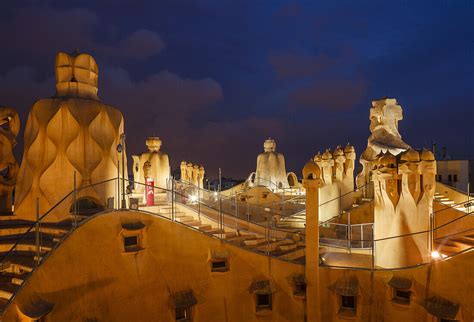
(216, 209)
(371, 240)
(207, 206)
(402, 267)
(38, 221)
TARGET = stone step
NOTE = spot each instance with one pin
(18, 262)
(239, 238)
(266, 247)
(289, 255)
(215, 231)
(450, 247)
(465, 239)
(5, 293)
(447, 252)
(180, 214)
(230, 234)
(205, 227)
(288, 246)
(5, 231)
(254, 242)
(194, 223)
(185, 219)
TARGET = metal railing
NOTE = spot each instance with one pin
(223, 215)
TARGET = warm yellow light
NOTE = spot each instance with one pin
(435, 255)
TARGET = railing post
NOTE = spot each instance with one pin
(349, 232)
(124, 203)
(118, 184)
(74, 208)
(236, 206)
(431, 234)
(172, 200)
(220, 212)
(373, 249)
(37, 233)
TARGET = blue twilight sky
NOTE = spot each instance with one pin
(215, 78)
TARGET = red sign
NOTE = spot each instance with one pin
(150, 193)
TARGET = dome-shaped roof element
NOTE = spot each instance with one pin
(317, 157)
(327, 155)
(338, 152)
(427, 155)
(388, 160)
(410, 155)
(349, 148)
(311, 170)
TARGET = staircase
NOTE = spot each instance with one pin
(21, 261)
(290, 247)
(454, 244)
(464, 207)
(447, 246)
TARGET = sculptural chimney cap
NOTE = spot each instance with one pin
(317, 157)
(311, 170)
(269, 145)
(153, 143)
(427, 155)
(327, 155)
(410, 155)
(77, 75)
(388, 160)
(384, 101)
(349, 148)
(338, 151)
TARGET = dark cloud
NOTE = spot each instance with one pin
(138, 45)
(235, 72)
(290, 65)
(329, 94)
(45, 31)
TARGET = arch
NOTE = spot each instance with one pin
(87, 206)
(292, 179)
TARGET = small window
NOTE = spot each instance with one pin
(183, 314)
(401, 296)
(455, 177)
(130, 242)
(264, 302)
(299, 289)
(348, 303)
(219, 265)
(450, 179)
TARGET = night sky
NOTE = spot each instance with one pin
(215, 78)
